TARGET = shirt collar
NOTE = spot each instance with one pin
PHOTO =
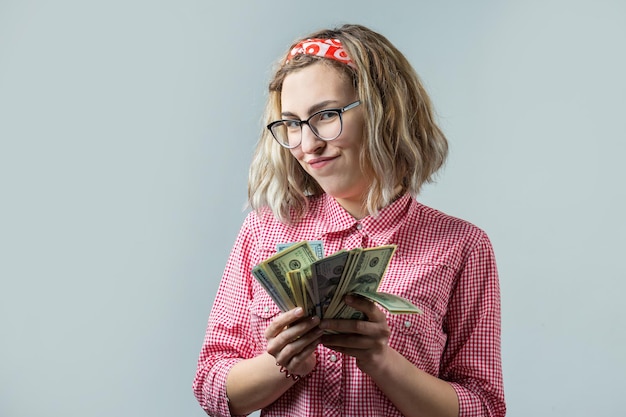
(380, 228)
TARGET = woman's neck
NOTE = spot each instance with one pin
(357, 207)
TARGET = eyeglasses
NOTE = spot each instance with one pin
(325, 124)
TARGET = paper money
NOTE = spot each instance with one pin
(316, 245)
(275, 291)
(296, 277)
(391, 302)
(300, 293)
(365, 276)
(325, 277)
(292, 258)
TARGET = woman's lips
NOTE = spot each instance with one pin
(318, 163)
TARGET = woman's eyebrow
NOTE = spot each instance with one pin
(316, 107)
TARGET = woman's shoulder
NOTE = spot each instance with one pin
(437, 221)
(432, 236)
(269, 229)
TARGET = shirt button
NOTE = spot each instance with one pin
(333, 358)
(359, 226)
(407, 324)
(266, 309)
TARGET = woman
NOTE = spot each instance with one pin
(350, 141)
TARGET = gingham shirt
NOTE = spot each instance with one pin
(442, 264)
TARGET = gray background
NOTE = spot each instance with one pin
(126, 131)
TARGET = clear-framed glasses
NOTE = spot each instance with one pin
(325, 124)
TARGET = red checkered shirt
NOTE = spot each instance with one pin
(442, 264)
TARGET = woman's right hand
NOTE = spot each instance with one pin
(256, 382)
(292, 339)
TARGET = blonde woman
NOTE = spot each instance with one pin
(350, 140)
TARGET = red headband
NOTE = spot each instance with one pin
(325, 48)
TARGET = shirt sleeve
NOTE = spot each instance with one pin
(472, 359)
(228, 333)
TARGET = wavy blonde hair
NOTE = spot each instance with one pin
(402, 146)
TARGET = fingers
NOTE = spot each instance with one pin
(346, 327)
(292, 339)
(358, 338)
(297, 363)
(293, 348)
(376, 319)
(283, 320)
(365, 306)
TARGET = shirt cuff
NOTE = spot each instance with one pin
(215, 388)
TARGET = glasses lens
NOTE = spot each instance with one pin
(287, 132)
(326, 124)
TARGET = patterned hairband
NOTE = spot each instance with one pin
(325, 48)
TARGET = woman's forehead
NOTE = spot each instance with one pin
(313, 84)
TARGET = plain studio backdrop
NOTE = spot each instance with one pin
(126, 131)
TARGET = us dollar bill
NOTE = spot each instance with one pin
(296, 276)
(337, 299)
(275, 292)
(325, 278)
(369, 270)
(292, 258)
(316, 245)
(297, 283)
(391, 302)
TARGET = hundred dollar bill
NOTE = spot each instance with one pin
(351, 264)
(325, 278)
(275, 292)
(391, 302)
(307, 285)
(336, 301)
(365, 277)
(292, 258)
(347, 270)
(295, 277)
(293, 280)
(316, 245)
(298, 283)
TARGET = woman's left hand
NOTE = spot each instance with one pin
(366, 340)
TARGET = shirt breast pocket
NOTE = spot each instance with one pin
(418, 338)
(262, 312)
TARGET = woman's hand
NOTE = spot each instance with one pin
(292, 340)
(367, 341)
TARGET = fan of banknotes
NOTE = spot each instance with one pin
(299, 276)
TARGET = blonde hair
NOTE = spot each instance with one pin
(402, 146)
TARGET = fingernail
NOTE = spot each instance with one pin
(298, 311)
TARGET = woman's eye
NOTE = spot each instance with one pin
(292, 124)
(328, 115)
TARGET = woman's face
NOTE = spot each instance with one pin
(333, 164)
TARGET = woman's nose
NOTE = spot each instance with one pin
(310, 142)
